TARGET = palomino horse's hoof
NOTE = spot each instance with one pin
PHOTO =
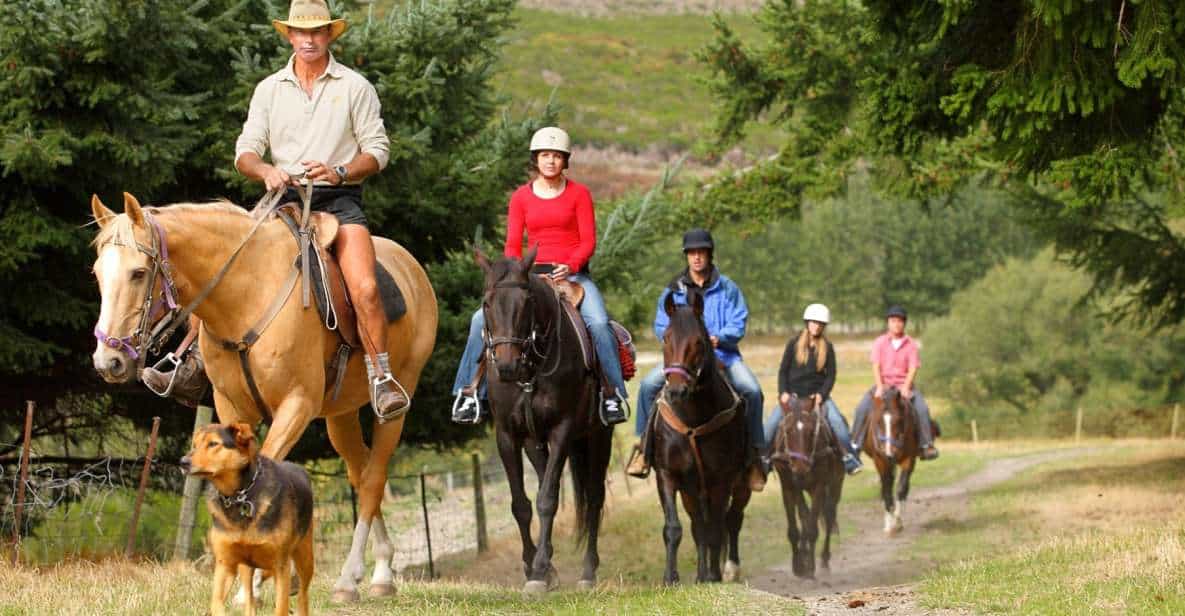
(732, 571)
(345, 596)
(536, 587)
(382, 590)
(586, 584)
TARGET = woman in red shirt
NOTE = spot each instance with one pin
(558, 216)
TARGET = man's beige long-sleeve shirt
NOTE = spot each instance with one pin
(342, 118)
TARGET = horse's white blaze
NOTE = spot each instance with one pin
(888, 434)
(354, 567)
(108, 268)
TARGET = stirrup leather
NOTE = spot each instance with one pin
(169, 358)
(375, 384)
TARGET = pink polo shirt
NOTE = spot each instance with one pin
(895, 363)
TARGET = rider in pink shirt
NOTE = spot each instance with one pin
(895, 363)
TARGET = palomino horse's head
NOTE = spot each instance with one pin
(133, 288)
(801, 434)
(891, 423)
(686, 348)
(510, 313)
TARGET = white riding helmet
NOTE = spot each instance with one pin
(551, 138)
(817, 312)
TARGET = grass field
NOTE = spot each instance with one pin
(1102, 534)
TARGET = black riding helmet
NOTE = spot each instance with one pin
(698, 238)
(896, 311)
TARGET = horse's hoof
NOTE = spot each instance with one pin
(382, 590)
(553, 578)
(732, 571)
(536, 587)
(345, 596)
(586, 584)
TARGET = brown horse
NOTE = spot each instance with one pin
(699, 444)
(890, 438)
(808, 460)
(543, 397)
(139, 250)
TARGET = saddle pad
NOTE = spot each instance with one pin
(394, 306)
(586, 346)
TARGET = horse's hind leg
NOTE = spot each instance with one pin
(717, 531)
(696, 509)
(790, 498)
(831, 516)
(672, 531)
(511, 452)
(733, 521)
(592, 484)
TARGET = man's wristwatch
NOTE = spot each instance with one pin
(341, 173)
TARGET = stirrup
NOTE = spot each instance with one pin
(623, 406)
(460, 403)
(168, 358)
(374, 397)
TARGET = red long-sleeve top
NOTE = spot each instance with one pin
(564, 227)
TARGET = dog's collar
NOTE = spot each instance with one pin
(246, 507)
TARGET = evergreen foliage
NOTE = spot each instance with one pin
(104, 96)
(1077, 106)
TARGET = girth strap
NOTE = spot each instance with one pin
(694, 434)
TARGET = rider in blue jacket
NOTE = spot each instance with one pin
(725, 316)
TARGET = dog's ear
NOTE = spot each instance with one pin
(244, 436)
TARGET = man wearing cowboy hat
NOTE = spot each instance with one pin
(322, 121)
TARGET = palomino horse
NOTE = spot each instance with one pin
(140, 250)
(699, 444)
(890, 437)
(543, 398)
(805, 454)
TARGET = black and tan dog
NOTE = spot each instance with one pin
(261, 512)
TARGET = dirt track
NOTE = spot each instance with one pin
(867, 567)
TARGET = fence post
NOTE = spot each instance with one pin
(190, 496)
(479, 506)
(20, 492)
(1176, 417)
(143, 484)
(1078, 426)
(974, 432)
(427, 529)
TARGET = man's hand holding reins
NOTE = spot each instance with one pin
(317, 171)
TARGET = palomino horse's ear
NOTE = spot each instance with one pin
(244, 435)
(668, 304)
(481, 259)
(132, 208)
(102, 214)
(529, 258)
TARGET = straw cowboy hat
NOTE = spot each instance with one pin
(309, 14)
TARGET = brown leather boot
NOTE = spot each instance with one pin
(637, 466)
(387, 396)
(186, 382)
(756, 471)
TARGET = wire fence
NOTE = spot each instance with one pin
(84, 508)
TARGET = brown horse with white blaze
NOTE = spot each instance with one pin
(890, 438)
(193, 245)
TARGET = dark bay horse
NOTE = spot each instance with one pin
(543, 399)
(699, 446)
(808, 461)
(890, 438)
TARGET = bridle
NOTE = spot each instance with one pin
(693, 379)
(886, 439)
(809, 459)
(529, 346)
(152, 332)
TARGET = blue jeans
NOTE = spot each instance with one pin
(925, 432)
(835, 419)
(592, 309)
(742, 379)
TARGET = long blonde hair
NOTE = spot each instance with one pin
(802, 349)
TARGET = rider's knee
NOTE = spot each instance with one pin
(365, 291)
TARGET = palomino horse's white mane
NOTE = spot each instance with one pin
(120, 229)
